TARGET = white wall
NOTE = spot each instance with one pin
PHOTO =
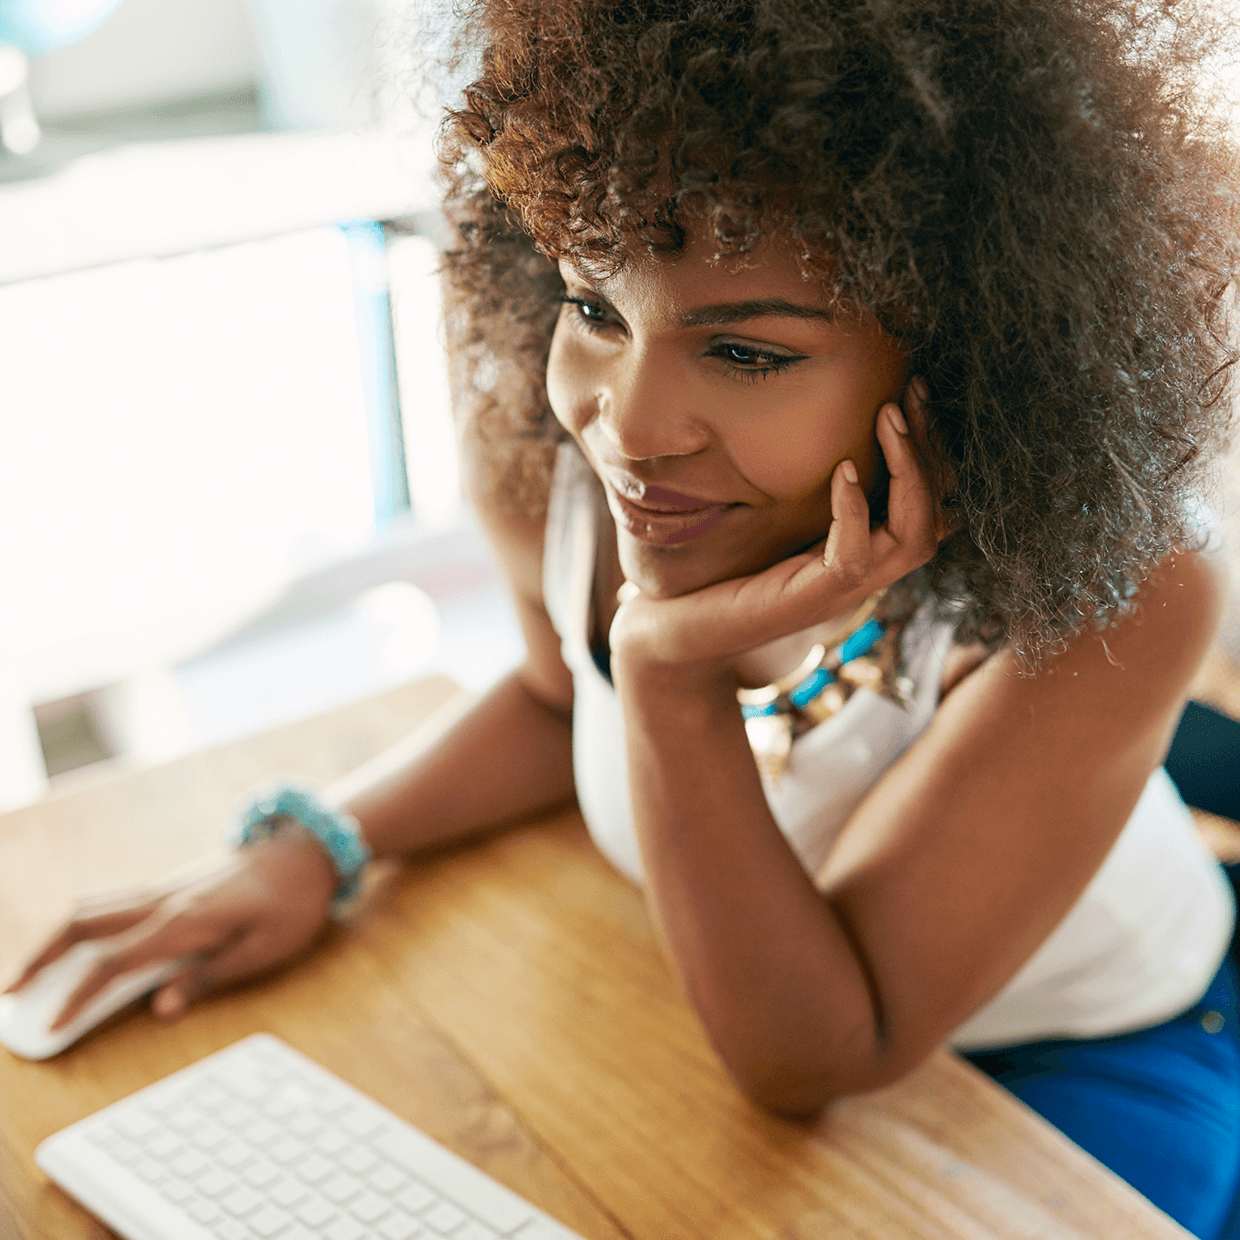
(320, 62)
(147, 52)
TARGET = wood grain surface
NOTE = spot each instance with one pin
(510, 998)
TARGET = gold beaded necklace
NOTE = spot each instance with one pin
(868, 657)
(861, 650)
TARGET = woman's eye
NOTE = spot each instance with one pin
(590, 314)
(750, 362)
(742, 355)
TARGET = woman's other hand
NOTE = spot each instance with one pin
(707, 628)
(255, 910)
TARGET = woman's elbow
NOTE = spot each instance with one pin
(792, 1092)
(800, 1091)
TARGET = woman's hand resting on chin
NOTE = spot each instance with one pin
(701, 631)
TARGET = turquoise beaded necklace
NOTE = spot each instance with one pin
(868, 658)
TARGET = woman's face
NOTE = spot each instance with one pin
(715, 401)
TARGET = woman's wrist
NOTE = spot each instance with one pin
(294, 849)
(680, 695)
(336, 835)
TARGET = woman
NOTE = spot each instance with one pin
(850, 360)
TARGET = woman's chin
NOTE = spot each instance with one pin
(669, 572)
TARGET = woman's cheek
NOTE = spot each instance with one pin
(563, 393)
(557, 385)
(797, 458)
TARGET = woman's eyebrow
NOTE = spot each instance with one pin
(738, 311)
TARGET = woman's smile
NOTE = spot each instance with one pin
(657, 515)
(715, 401)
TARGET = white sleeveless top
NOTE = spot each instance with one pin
(1140, 945)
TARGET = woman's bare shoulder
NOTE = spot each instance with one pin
(1161, 639)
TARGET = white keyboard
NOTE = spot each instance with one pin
(257, 1142)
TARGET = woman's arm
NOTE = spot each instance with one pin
(508, 756)
(949, 875)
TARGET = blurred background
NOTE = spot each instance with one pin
(228, 485)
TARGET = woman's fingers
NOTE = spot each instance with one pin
(912, 530)
(160, 940)
(847, 554)
(80, 929)
(248, 955)
(860, 558)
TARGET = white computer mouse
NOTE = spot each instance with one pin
(26, 1014)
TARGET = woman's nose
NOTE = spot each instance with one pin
(647, 411)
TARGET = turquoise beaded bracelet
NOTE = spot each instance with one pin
(339, 834)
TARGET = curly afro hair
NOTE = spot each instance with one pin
(1036, 196)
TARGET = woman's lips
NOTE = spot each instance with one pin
(666, 517)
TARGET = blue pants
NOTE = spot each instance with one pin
(1160, 1107)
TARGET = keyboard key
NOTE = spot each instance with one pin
(314, 1170)
(150, 1171)
(444, 1218)
(316, 1212)
(330, 1104)
(386, 1179)
(261, 1174)
(209, 1136)
(183, 1119)
(331, 1142)
(341, 1188)
(125, 1152)
(344, 1229)
(205, 1212)
(287, 1151)
(164, 1146)
(359, 1161)
(234, 1115)
(177, 1191)
(287, 1193)
(210, 1097)
(234, 1155)
(294, 1089)
(261, 1132)
(215, 1183)
(369, 1207)
(241, 1201)
(278, 1108)
(163, 1098)
(475, 1231)
(246, 1080)
(230, 1229)
(305, 1126)
(400, 1226)
(416, 1198)
(190, 1164)
(268, 1221)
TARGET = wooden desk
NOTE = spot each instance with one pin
(511, 1000)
